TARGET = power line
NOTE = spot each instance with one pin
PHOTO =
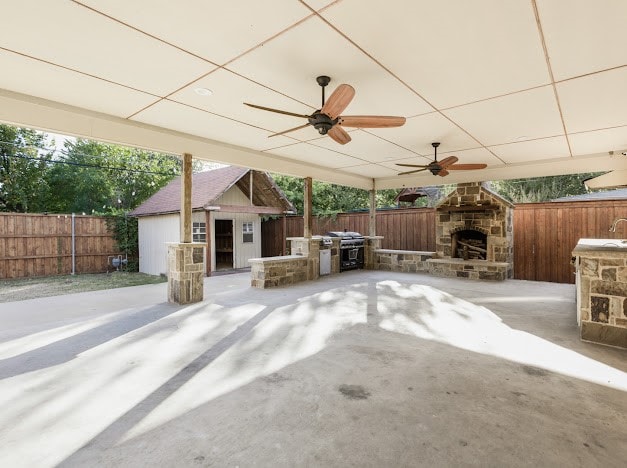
(72, 163)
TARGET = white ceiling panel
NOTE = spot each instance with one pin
(366, 146)
(215, 31)
(291, 62)
(182, 118)
(453, 52)
(419, 132)
(73, 36)
(230, 91)
(526, 115)
(546, 148)
(584, 36)
(473, 156)
(319, 4)
(61, 85)
(481, 63)
(594, 102)
(371, 170)
(316, 155)
(599, 141)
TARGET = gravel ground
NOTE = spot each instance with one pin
(31, 288)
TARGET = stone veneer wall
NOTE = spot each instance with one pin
(496, 221)
(270, 272)
(302, 265)
(603, 298)
(471, 269)
(407, 261)
(185, 272)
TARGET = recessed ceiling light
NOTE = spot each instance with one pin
(203, 92)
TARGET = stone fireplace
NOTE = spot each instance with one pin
(474, 234)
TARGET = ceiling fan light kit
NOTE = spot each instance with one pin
(441, 168)
(328, 121)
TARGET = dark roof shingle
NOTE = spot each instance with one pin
(206, 188)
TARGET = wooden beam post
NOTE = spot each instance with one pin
(283, 234)
(372, 226)
(186, 199)
(307, 215)
(250, 187)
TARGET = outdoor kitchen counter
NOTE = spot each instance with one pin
(601, 269)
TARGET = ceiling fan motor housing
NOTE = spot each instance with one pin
(321, 122)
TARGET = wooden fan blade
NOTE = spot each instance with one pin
(411, 172)
(371, 121)
(270, 109)
(446, 162)
(412, 165)
(339, 135)
(288, 131)
(339, 99)
(466, 167)
(443, 173)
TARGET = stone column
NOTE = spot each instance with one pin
(309, 248)
(185, 275)
(372, 243)
(185, 259)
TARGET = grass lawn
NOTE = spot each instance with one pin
(31, 288)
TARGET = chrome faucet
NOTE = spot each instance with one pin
(616, 221)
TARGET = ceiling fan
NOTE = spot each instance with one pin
(441, 168)
(328, 121)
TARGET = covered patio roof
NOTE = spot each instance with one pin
(530, 87)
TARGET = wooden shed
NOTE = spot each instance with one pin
(226, 215)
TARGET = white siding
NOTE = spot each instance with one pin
(154, 232)
(233, 196)
(241, 251)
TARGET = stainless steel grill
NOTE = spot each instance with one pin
(351, 249)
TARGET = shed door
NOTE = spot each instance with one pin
(224, 244)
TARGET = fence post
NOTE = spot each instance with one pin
(73, 244)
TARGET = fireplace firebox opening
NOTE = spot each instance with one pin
(469, 244)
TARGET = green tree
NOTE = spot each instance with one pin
(96, 177)
(542, 189)
(23, 165)
(329, 199)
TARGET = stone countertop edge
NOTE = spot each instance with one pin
(600, 248)
(467, 262)
(408, 252)
(280, 258)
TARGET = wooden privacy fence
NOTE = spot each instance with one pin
(406, 229)
(41, 245)
(544, 233)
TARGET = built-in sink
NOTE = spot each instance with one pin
(601, 244)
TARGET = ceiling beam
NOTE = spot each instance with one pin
(32, 112)
(589, 163)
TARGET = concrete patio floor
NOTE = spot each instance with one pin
(360, 369)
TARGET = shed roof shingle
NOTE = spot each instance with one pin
(206, 188)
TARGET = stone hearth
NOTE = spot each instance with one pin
(474, 224)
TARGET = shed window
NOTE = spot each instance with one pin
(247, 232)
(199, 232)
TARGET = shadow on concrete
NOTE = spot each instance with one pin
(68, 348)
(127, 421)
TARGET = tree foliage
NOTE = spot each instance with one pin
(329, 199)
(102, 178)
(541, 189)
(23, 163)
